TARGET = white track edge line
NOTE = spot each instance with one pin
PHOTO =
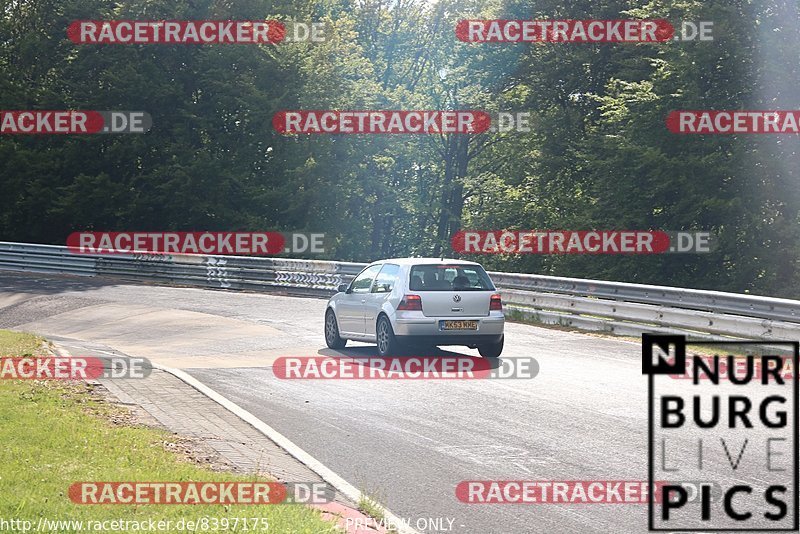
(341, 485)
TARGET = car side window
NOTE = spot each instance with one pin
(384, 282)
(363, 281)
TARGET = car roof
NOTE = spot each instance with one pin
(425, 261)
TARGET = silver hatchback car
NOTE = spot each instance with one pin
(424, 301)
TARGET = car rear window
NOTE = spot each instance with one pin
(438, 277)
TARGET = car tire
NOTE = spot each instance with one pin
(332, 338)
(387, 342)
(492, 350)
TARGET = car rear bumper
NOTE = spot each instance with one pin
(481, 339)
(427, 329)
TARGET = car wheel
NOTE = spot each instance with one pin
(332, 338)
(492, 350)
(387, 342)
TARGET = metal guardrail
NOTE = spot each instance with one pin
(306, 277)
(611, 307)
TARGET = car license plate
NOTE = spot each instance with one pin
(460, 325)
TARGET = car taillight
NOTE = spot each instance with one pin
(410, 303)
(495, 304)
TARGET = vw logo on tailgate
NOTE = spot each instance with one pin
(456, 298)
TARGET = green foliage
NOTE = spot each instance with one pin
(598, 157)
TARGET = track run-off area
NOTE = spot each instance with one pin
(407, 443)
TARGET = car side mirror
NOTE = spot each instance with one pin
(342, 288)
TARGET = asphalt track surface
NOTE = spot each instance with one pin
(408, 443)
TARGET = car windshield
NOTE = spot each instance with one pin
(438, 277)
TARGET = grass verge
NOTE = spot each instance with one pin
(55, 433)
(373, 509)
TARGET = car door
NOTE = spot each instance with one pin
(350, 307)
(381, 289)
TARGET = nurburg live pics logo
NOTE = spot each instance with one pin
(738, 429)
